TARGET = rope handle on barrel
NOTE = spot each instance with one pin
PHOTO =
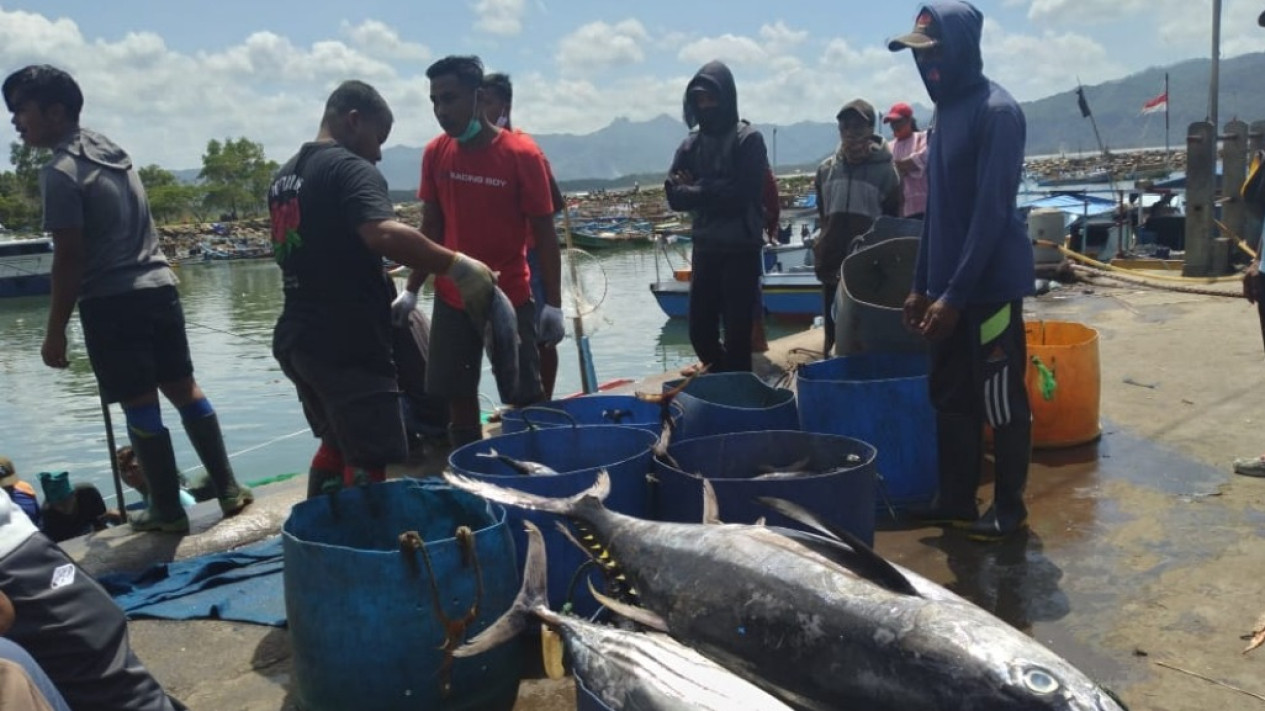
(553, 410)
(1048, 384)
(454, 630)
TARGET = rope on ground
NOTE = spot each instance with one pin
(1137, 274)
(1091, 274)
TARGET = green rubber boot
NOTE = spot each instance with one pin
(204, 433)
(164, 512)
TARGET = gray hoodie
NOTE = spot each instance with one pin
(90, 184)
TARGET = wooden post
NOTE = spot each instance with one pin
(1233, 172)
(1201, 160)
(1251, 223)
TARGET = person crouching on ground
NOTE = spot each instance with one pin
(718, 175)
(106, 258)
(332, 223)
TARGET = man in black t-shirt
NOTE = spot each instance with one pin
(332, 222)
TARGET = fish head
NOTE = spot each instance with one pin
(999, 668)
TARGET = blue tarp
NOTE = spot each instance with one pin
(1077, 205)
(243, 585)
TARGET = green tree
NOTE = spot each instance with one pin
(27, 162)
(235, 175)
(169, 199)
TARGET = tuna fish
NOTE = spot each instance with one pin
(501, 343)
(521, 466)
(821, 622)
(626, 670)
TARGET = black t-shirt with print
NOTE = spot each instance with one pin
(337, 296)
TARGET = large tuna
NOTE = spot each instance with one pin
(820, 623)
(628, 671)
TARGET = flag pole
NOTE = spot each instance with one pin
(1168, 102)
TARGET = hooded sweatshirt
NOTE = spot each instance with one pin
(90, 185)
(974, 247)
(728, 161)
(850, 196)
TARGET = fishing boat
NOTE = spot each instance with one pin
(26, 267)
(789, 286)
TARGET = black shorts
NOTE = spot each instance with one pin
(979, 369)
(136, 341)
(456, 355)
(353, 409)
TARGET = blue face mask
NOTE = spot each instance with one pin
(475, 126)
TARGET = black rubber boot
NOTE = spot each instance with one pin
(158, 462)
(960, 449)
(204, 433)
(1012, 451)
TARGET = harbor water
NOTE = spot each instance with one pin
(51, 420)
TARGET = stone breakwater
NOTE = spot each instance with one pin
(1120, 164)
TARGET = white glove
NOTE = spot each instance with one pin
(402, 307)
(550, 330)
(475, 282)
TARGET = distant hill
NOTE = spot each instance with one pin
(627, 150)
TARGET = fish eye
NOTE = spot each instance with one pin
(1040, 681)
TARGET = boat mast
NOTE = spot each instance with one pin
(1168, 103)
(1215, 81)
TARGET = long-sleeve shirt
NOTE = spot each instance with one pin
(913, 183)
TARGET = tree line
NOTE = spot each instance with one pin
(232, 183)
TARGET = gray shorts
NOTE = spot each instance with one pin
(456, 355)
(355, 410)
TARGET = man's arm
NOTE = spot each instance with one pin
(68, 259)
(408, 246)
(433, 229)
(550, 256)
(732, 193)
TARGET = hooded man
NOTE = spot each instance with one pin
(854, 186)
(718, 175)
(974, 267)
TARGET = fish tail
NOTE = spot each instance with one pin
(533, 598)
(490, 454)
(512, 497)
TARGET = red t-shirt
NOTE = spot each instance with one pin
(486, 196)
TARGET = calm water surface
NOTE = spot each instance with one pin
(51, 420)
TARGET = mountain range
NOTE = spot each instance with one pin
(625, 149)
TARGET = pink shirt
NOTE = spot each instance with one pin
(913, 184)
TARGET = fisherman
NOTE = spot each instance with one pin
(72, 511)
(59, 615)
(332, 223)
(718, 175)
(854, 186)
(909, 154)
(973, 269)
(133, 475)
(485, 191)
(497, 100)
(106, 257)
(21, 493)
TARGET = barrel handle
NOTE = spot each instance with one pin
(454, 630)
(882, 491)
(540, 408)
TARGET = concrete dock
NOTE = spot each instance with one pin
(1143, 565)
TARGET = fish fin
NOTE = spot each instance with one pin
(759, 521)
(532, 595)
(512, 497)
(711, 508)
(490, 454)
(632, 612)
(863, 560)
(567, 534)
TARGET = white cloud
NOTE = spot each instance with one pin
(1033, 66)
(377, 39)
(730, 49)
(599, 45)
(500, 17)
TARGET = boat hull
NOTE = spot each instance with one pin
(26, 267)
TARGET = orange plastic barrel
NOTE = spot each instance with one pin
(1069, 416)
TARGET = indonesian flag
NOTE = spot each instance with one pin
(1159, 103)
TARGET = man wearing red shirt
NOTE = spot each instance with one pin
(484, 190)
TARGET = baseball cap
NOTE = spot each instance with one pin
(900, 110)
(918, 38)
(8, 472)
(860, 107)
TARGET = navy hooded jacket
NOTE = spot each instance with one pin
(975, 249)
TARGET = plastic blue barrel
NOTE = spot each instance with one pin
(364, 632)
(577, 454)
(623, 410)
(842, 488)
(880, 398)
(732, 402)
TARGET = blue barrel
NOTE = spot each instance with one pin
(842, 488)
(625, 410)
(364, 631)
(732, 402)
(880, 398)
(576, 453)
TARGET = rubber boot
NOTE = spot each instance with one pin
(208, 442)
(1012, 451)
(158, 462)
(960, 449)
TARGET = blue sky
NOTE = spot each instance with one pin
(164, 77)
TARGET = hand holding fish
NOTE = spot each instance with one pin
(475, 282)
(402, 307)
